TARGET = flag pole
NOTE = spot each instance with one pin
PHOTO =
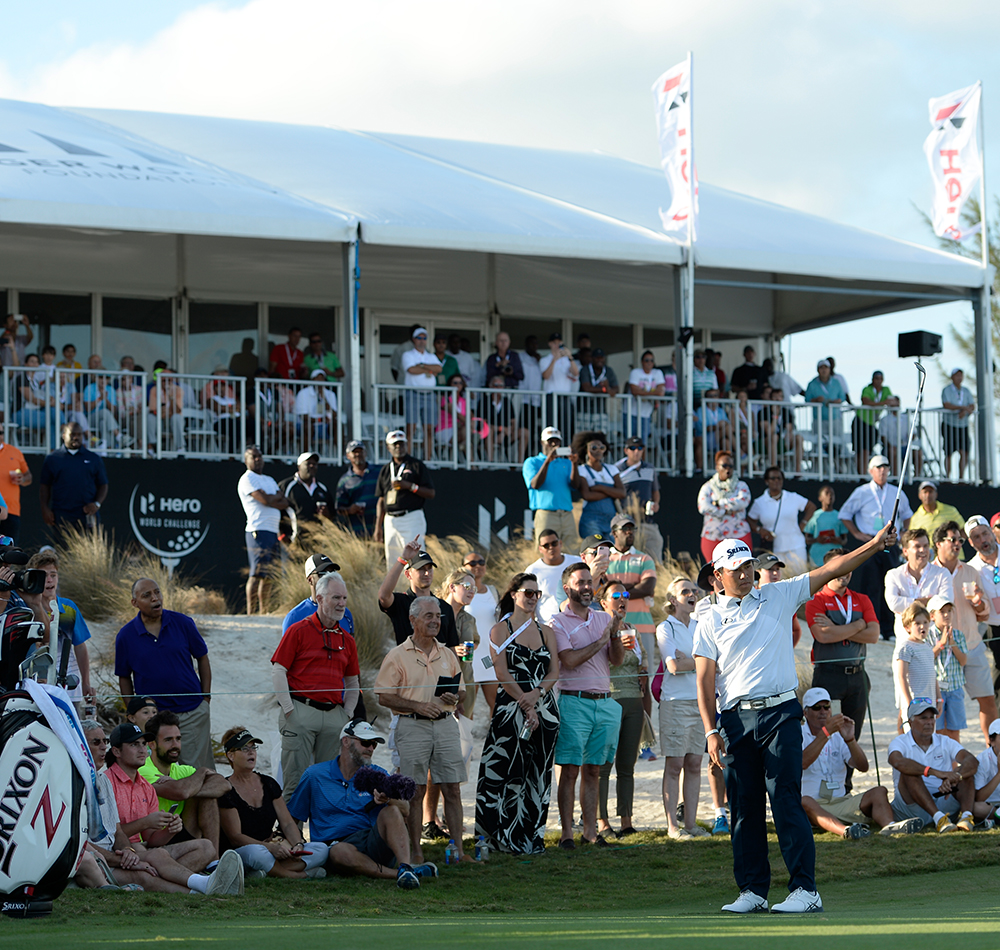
(984, 386)
(689, 461)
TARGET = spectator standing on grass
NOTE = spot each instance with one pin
(971, 609)
(73, 484)
(156, 655)
(642, 493)
(934, 775)
(249, 829)
(635, 570)
(982, 539)
(418, 567)
(548, 569)
(263, 503)
(959, 404)
(316, 682)
(743, 652)
(355, 498)
(286, 358)
(913, 662)
(483, 608)
(950, 654)
(14, 475)
(366, 832)
(549, 477)
(916, 580)
(404, 486)
(308, 498)
(779, 516)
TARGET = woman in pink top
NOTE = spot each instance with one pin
(723, 502)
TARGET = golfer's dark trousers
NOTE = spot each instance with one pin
(766, 750)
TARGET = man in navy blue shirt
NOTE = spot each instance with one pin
(155, 655)
(73, 483)
(366, 831)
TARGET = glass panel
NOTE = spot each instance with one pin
(615, 340)
(138, 328)
(59, 319)
(217, 333)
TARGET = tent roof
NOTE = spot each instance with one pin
(422, 192)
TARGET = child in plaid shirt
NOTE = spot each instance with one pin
(949, 649)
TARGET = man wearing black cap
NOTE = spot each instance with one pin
(140, 709)
(598, 377)
(316, 682)
(419, 568)
(404, 486)
(642, 490)
(356, 500)
(309, 499)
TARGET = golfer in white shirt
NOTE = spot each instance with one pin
(743, 650)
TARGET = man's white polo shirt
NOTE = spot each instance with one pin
(940, 754)
(751, 641)
(984, 774)
(902, 589)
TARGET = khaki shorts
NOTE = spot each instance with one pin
(563, 523)
(978, 678)
(434, 745)
(845, 808)
(681, 730)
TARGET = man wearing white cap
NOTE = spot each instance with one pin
(829, 748)
(934, 775)
(959, 403)
(743, 650)
(826, 390)
(404, 485)
(309, 500)
(987, 802)
(420, 370)
(549, 476)
(864, 513)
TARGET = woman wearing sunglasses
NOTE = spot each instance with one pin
(250, 812)
(483, 608)
(682, 736)
(515, 772)
(626, 689)
(723, 501)
(598, 482)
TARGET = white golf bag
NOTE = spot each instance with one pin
(43, 792)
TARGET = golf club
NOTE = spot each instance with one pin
(909, 441)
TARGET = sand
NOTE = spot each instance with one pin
(240, 649)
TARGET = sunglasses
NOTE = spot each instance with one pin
(687, 592)
(620, 595)
(725, 465)
(529, 592)
(550, 545)
(367, 743)
(478, 563)
(634, 448)
(465, 586)
(420, 338)
(825, 706)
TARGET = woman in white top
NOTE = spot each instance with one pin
(483, 608)
(598, 482)
(682, 735)
(779, 517)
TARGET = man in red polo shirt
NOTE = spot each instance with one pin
(316, 681)
(286, 358)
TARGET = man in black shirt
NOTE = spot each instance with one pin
(310, 500)
(420, 574)
(749, 376)
(404, 485)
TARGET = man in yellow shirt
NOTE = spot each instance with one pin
(931, 513)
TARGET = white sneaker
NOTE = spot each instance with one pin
(800, 901)
(227, 878)
(747, 903)
(907, 826)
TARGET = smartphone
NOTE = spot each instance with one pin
(174, 807)
(564, 451)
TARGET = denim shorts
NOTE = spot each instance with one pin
(953, 714)
(419, 406)
(262, 551)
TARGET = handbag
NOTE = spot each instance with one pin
(657, 683)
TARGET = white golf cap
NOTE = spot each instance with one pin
(362, 730)
(305, 456)
(877, 461)
(938, 601)
(957, 369)
(397, 435)
(815, 695)
(994, 729)
(418, 331)
(825, 363)
(551, 432)
(974, 522)
(731, 553)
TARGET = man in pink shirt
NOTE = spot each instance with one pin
(589, 644)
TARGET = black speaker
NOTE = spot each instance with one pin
(919, 343)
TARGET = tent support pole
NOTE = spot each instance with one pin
(351, 282)
(983, 317)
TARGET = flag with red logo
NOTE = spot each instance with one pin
(672, 95)
(953, 155)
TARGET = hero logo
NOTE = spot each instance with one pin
(168, 527)
(15, 796)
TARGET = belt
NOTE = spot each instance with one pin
(768, 701)
(582, 694)
(406, 511)
(851, 670)
(443, 715)
(326, 707)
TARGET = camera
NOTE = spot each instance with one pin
(24, 582)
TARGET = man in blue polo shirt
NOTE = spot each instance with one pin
(366, 831)
(155, 655)
(73, 483)
(549, 476)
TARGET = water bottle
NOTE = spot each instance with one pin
(451, 852)
(482, 849)
(525, 731)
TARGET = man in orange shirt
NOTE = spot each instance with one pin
(14, 475)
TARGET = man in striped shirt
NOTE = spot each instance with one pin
(637, 572)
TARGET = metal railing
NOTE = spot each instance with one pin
(291, 416)
(832, 443)
(197, 416)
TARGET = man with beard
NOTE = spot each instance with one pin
(589, 644)
(366, 831)
(404, 486)
(191, 793)
(981, 537)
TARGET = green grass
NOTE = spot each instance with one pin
(878, 893)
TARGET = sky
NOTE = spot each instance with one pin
(814, 105)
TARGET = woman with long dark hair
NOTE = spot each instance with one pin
(515, 772)
(598, 482)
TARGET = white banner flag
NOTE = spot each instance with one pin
(672, 95)
(953, 155)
